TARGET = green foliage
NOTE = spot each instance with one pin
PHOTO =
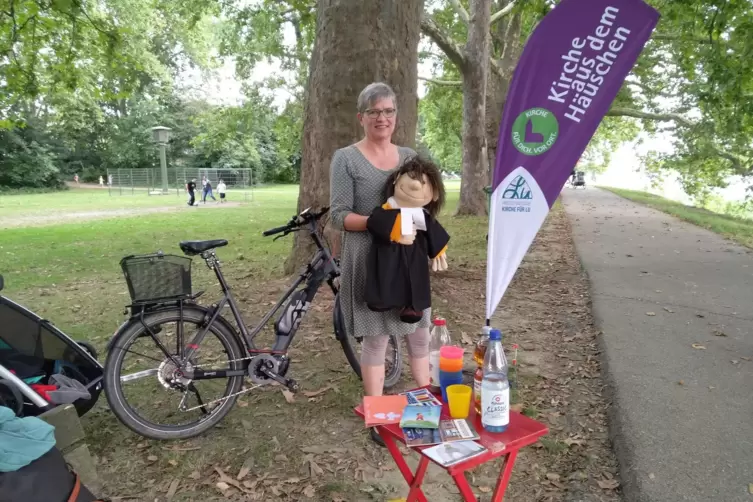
(25, 162)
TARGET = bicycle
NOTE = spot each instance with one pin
(160, 290)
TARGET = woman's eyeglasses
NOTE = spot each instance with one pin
(387, 112)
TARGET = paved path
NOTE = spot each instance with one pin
(682, 416)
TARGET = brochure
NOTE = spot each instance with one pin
(448, 431)
(422, 397)
(421, 417)
(447, 454)
(383, 410)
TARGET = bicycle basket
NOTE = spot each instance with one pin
(157, 277)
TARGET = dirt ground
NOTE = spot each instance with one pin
(313, 447)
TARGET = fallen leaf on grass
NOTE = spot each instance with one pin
(719, 333)
(518, 408)
(314, 393)
(669, 310)
(281, 458)
(141, 446)
(152, 458)
(227, 480)
(745, 358)
(551, 476)
(609, 484)
(195, 475)
(484, 489)
(651, 314)
(337, 497)
(242, 473)
(173, 462)
(173, 488)
(573, 441)
(698, 346)
(223, 487)
(289, 396)
(315, 469)
(735, 361)
(309, 491)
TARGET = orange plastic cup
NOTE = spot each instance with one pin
(450, 365)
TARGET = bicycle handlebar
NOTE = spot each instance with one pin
(296, 222)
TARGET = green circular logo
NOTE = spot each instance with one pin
(535, 131)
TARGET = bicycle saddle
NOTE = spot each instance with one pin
(197, 247)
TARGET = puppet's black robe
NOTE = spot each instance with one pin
(397, 276)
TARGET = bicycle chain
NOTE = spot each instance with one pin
(185, 394)
(242, 391)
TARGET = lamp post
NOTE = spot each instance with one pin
(161, 135)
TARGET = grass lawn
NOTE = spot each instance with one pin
(737, 229)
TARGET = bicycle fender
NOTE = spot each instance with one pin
(206, 312)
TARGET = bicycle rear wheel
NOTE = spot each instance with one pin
(149, 394)
(393, 360)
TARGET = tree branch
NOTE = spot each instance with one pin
(737, 162)
(450, 47)
(461, 11)
(502, 12)
(659, 117)
(441, 82)
(687, 38)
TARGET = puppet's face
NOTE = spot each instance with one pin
(410, 192)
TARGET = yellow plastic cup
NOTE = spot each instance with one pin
(459, 397)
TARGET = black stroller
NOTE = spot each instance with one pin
(578, 180)
(41, 367)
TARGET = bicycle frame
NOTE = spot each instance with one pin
(321, 268)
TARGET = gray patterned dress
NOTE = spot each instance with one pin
(356, 186)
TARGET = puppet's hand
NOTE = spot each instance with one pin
(407, 240)
(439, 264)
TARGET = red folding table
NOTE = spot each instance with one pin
(522, 431)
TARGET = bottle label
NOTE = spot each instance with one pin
(495, 407)
(434, 368)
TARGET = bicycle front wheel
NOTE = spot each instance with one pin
(150, 395)
(393, 359)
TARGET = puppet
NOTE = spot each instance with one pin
(407, 241)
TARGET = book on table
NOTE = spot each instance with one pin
(448, 431)
(448, 454)
(383, 410)
(421, 417)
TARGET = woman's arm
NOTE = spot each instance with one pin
(342, 189)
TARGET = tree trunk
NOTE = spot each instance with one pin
(475, 169)
(506, 40)
(357, 42)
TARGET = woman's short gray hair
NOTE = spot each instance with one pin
(373, 93)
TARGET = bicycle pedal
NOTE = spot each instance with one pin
(292, 385)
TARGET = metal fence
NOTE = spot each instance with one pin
(149, 181)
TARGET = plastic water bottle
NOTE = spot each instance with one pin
(439, 338)
(495, 389)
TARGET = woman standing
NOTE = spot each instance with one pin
(357, 180)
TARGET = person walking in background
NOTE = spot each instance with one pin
(207, 191)
(191, 189)
(221, 190)
(75, 178)
(101, 182)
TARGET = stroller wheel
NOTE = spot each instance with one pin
(89, 348)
